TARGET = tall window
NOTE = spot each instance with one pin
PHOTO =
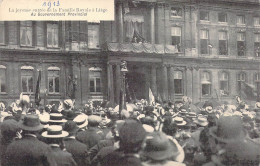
(206, 83)
(240, 79)
(95, 80)
(26, 33)
(256, 79)
(78, 31)
(53, 80)
(27, 78)
(222, 17)
(224, 90)
(256, 21)
(2, 32)
(204, 15)
(204, 41)
(52, 34)
(93, 35)
(222, 39)
(2, 79)
(241, 44)
(176, 37)
(176, 12)
(257, 44)
(178, 87)
(241, 19)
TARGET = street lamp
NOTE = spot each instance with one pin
(122, 101)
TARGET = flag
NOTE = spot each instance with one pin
(151, 97)
(248, 91)
(37, 91)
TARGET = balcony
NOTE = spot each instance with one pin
(141, 48)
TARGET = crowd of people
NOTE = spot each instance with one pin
(143, 134)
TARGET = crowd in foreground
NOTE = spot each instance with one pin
(167, 134)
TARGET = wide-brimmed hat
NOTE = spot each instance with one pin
(158, 147)
(69, 103)
(57, 118)
(81, 120)
(191, 115)
(44, 119)
(228, 129)
(179, 121)
(30, 123)
(55, 131)
(202, 121)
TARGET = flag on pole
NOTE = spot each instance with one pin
(37, 91)
(151, 97)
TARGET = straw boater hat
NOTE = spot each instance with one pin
(57, 118)
(202, 121)
(55, 131)
(81, 120)
(228, 129)
(30, 123)
(158, 147)
(179, 121)
(191, 115)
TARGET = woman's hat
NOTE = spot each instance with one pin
(158, 147)
(179, 121)
(55, 131)
(30, 123)
(57, 118)
(81, 120)
(202, 121)
(228, 129)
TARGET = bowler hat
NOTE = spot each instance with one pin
(158, 147)
(55, 131)
(30, 123)
(228, 129)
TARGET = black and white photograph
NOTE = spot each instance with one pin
(164, 83)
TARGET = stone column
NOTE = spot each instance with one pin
(171, 80)
(118, 83)
(110, 83)
(153, 80)
(164, 83)
(120, 23)
(152, 24)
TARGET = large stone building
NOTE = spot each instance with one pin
(203, 49)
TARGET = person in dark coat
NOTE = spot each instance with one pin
(28, 150)
(8, 133)
(77, 149)
(93, 134)
(131, 136)
(54, 136)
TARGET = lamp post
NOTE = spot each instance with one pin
(122, 101)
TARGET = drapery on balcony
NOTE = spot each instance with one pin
(141, 48)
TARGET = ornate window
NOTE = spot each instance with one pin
(224, 83)
(241, 77)
(95, 80)
(205, 83)
(52, 34)
(176, 37)
(241, 44)
(204, 41)
(53, 80)
(93, 35)
(2, 79)
(27, 79)
(223, 40)
(178, 82)
(26, 33)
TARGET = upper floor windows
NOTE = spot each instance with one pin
(176, 12)
(93, 35)
(204, 41)
(27, 79)
(178, 82)
(222, 39)
(241, 19)
(53, 80)
(176, 37)
(241, 43)
(52, 35)
(256, 21)
(95, 80)
(26, 33)
(2, 32)
(257, 44)
(222, 17)
(204, 15)
(206, 83)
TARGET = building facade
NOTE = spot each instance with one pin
(202, 49)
